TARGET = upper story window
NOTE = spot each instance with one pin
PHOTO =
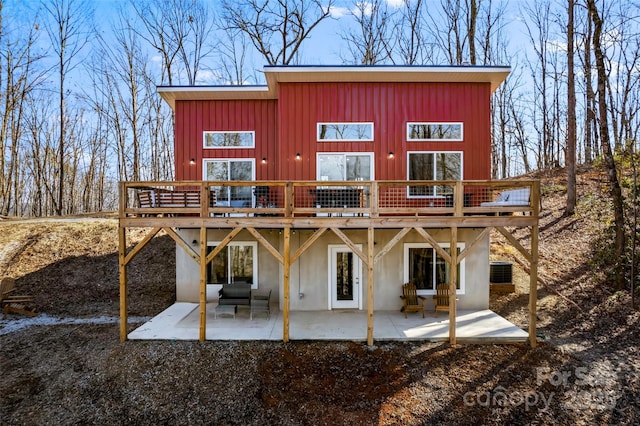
(436, 166)
(332, 132)
(418, 132)
(223, 169)
(345, 166)
(229, 139)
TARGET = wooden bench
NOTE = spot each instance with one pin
(159, 198)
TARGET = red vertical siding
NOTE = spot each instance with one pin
(389, 106)
(195, 117)
(288, 125)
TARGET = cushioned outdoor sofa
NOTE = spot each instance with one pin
(235, 294)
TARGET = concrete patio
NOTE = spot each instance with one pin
(181, 322)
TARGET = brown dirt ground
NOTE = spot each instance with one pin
(585, 370)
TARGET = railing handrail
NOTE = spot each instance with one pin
(376, 198)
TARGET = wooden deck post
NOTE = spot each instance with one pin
(286, 283)
(533, 286)
(453, 278)
(122, 266)
(370, 264)
(203, 284)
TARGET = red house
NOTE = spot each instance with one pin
(330, 187)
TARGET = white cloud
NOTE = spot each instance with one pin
(363, 7)
(338, 12)
(396, 4)
(207, 77)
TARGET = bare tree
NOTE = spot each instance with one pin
(410, 33)
(539, 33)
(371, 41)
(493, 42)
(20, 75)
(571, 116)
(233, 56)
(451, 39)
(616, 191)
(472, 16)
(591, 132)
(177, 30)
(276, 28)
(68, 29)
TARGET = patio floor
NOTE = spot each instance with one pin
(181, 322)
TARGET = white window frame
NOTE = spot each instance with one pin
(254, 245)
(228, 160)
(462, 277)
(341, 124)
(429, 123)
(218, 132)
(435, 195)
(344, 155)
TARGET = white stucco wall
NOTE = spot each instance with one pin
(309, 275)
(188, 271)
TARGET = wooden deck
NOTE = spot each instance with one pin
(317, 204)
(328, 207)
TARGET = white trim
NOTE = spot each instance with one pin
(434, 170)
(428, 123)
(462, 276)
(357, 267)
(227, 159)
(391, 69)
(346, 123)
(251, 132)
(205, 177)
(344, 155)
(275, 75)
(254, 245)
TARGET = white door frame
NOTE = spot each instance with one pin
(333, 303)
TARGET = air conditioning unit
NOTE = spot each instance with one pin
(501, 277)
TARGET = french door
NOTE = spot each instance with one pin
(345, 283)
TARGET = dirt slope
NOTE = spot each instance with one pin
(585, 370)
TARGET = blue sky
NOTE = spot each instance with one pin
(324, 46)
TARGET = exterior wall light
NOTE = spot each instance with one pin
(298, 156)
(264, 160)
(192, 161)
(391, 154)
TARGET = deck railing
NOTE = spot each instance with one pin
(328, 198)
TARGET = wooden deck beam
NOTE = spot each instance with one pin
(453, 278)
(372, 215)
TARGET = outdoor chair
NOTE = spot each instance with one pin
(260, 304)
(17, 304)
(411, 302)
(441, 298)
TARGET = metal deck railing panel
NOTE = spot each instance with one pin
(321, 199)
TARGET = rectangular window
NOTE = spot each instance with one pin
(236, 263)
(417, 132)
(229, 139)
(426, 269)
(231, 169)
(331, 132)
(435, 166)
(345, 166)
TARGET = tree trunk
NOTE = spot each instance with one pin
(571, 117)
(616, 191)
